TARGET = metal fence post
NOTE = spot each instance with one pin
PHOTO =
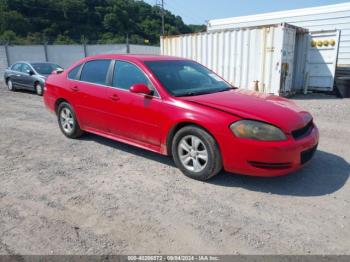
(45, 51)
(84, 41)
(7, 54)
(85, 50)
(127, 44)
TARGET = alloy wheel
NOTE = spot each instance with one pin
(67, 120)
(193, 153)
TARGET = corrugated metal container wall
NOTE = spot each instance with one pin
(329, 17)
(302, 41)
(258, 58)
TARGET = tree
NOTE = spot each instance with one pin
(100, 21)
(16, 22)
(8, 36)
(63, 39)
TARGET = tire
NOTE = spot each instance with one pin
(196, 153)
(10, 85)
(67, 121)
(39, 90)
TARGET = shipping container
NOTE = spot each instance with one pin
(320, 18)
(258, 58)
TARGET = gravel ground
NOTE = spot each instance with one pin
(97, 196)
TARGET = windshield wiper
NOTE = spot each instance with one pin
(205, 92)
(193, 93)
(223, 90)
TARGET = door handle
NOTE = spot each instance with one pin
(114, 97)
(18, 75)
(75, 88)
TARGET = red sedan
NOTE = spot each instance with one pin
(178, 107)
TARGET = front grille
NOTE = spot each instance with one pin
(306, 155)
(269, 165)
(304, 131)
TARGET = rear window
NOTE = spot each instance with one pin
(45, 68)
(16, 67)
(95, 71)
(73, 74)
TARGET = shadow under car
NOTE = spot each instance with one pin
(326, 173)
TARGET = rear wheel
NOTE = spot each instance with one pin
(39, 89)
(196, 153)
(67, 121)
(10, 85)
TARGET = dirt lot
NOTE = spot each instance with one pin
(97, 196)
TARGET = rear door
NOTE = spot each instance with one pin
(15, 73)
(88, 92)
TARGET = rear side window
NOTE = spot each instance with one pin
(95, 71)
(73, 74)
(17, 67)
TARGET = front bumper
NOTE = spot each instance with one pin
(259, 158)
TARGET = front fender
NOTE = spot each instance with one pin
(215, 122)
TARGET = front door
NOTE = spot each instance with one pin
(136, 117)
(27, 81)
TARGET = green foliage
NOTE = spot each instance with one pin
(92, 21)
(63, 39)
(8, 36)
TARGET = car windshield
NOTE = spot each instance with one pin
(45, 68)
(187, 78)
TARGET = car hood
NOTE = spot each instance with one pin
(43, 75)
(247, 104)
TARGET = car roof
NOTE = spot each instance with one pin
(135, 57)
(32, 62)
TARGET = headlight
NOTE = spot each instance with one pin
(257, 130)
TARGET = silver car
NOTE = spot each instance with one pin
(30, 76)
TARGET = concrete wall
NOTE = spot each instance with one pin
(28, 53)
(64, 55)
(3, 62)
(106, 49)
(142, 49)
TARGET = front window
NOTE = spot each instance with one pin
(45, 68)
(126, 75)
(26, 68)
(186, 78)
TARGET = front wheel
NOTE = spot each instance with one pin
(196, 153)
(67, 121)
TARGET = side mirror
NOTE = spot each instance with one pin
(59, 70)
(30, 72)
(141, 89)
